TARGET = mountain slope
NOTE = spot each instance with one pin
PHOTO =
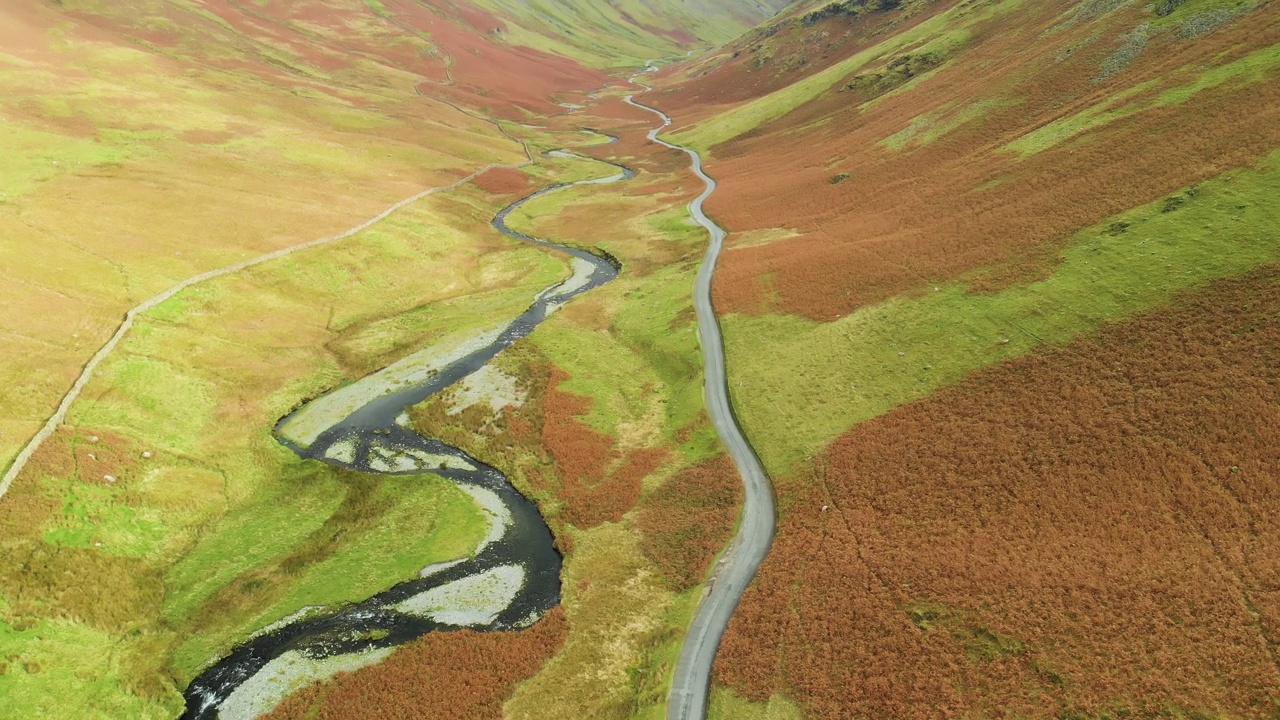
(919, 194)
(625, 33)
(212, 84)
(154, 152)
(999, 297)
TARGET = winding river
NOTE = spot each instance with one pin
(514, 576)
(512, 579)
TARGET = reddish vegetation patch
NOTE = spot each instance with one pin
(278, 30)
(22, 29)
(56, 456)
(504, 79)
(112, 592)
(207, 137)
(25, 511)
(105, 460)
(503, 181)
(589, 505)
(613, 107)
(84, 454)
(592, 493)
(634, 150)
(462, 675)
(688, 520)
(593, 481)
(73, 126)
(1083, 530)
(579, 451)
(300, 44)
(906, 219)
(263, 43)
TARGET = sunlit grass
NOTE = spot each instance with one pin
(644, 368)
(655, 675)
(405, 524)
(67, 669)
(724, 704)
(616, 606)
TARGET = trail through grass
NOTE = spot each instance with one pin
(220, 527)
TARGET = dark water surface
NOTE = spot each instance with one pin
(371, 441)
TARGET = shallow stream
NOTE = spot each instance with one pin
(511, 581)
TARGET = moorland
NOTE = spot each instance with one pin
(999, 302)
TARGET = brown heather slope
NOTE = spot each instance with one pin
(913, 212)
(503, 181)
(598, 482)
(687, 521)
(464, 675)
(349, 49)
(511, 82)
(780, 52)
(1086, 530)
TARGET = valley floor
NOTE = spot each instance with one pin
(986, 332)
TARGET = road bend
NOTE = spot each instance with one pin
(739, 562)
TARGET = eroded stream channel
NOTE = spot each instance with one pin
(509, 582)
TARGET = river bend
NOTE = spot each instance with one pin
(739, 562)
(517, 564)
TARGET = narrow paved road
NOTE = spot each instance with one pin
(688, 699)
